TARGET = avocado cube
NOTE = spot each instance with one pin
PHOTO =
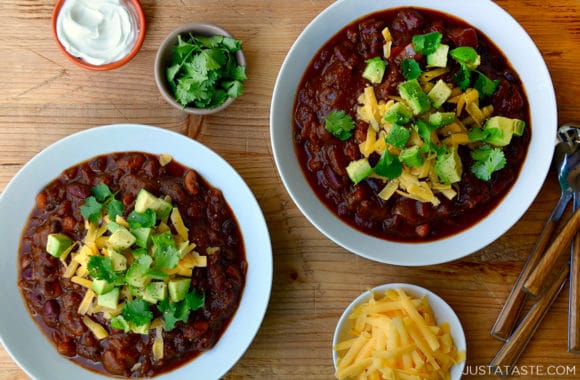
(398, 113)
(110, 299)
(500, 130)
(118, 260)
(136, 276)
(449, 167)
(155, 291)
(359, 170)
(413, 94)
(141, 329)
(440, 119)
(57, 244)
(411, 156)
(374, 70)
(178, 289)
(439, 57)
(439, 93)
(121, 239)
(100, 286)
(147, 200)
(142, 236)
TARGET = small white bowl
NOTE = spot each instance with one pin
(441, 311)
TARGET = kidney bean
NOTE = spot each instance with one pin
(50, 313)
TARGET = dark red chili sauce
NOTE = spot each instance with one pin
(53, 300)
(333, 81)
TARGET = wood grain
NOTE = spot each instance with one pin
(44, 97)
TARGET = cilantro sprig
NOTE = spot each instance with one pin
(204, 71)
(101, 198)
(340, 124)
(487, 161)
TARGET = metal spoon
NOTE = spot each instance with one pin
(513, 305)
(570, 134)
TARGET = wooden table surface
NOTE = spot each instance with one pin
(45, 97)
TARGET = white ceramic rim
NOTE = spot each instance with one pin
(19, 334)
(441, 311)
(526, 60)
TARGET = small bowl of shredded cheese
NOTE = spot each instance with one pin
(398, 331)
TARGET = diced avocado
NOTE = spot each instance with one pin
(136, 276)
(398, 113)
(448, 166)
(120, 323)
(398, 136)
(439, 93)
(135, 291)
(178, 289)
(142, 236)
(121, 239)
(501, 130)
(359, 170)
(110, 299)
(118, 260)
(519, 126)
(374, 70)
(440, 119)
(439, 57)
(102, 286)
(411, 156)
(467, 56)
(147, 200)
(413, 94)
(57, 244)
(155, 291)
(142, 329)
(114, 226)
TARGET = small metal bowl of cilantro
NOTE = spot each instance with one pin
(200, 68)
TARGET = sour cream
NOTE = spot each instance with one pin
(97, 31)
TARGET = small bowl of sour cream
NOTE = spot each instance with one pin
(99, 34)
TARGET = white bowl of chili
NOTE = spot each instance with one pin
(312, 162)
(19, 334)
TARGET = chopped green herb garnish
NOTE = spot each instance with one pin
(340, 124)
(101, 192)
(388, 166)
(120, 323)
(411, 69)
(204, 71)
(484, 86)
(91, 209)
(487, 161)
(101, 268)
(137, 312)
(467, 56)
(427, 43)
(144, 219)
(462, 77)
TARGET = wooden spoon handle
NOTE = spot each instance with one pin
(574, 303)
(510, 352)
(537, 280)
(512, 307)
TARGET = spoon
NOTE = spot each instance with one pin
(513, 305)
(570, 134)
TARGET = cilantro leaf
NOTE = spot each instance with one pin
(165, 253)
(195, 299)
(388, 166)
(466, 56)
(168, 310)
(411, 69)
(101, 192)
(484, 86)
(114, 207)
(462, 77)
(427, 43)
(204, 71)
(91, 209)
(487, 161)
(340, 124)
(137, 312)
(144, 219)
(101, 268)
